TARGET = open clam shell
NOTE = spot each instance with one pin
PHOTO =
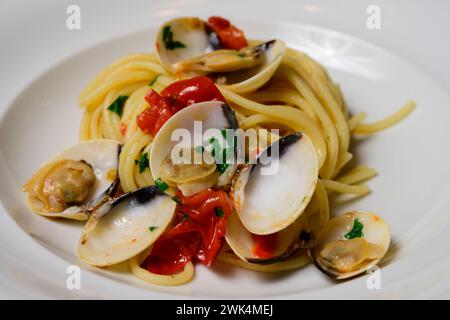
(244, 244)
(249, 80)
(124, 227)
(184, 45)
(181, 39)
(101, 156)
(269, 197)
(187, 130)
(351, 244)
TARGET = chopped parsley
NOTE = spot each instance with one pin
(177, 200)
(219, 153)
(219, 212)
(152, 228)
(215, 145)
(185, 216)
(161, 185)
(222, 167)
(117, 105)
(168, 40)
(143, 162)
(154, 80)
(357, 230)
(241, 55)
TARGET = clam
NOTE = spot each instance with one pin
(270, 195)
(350, 244)
(125, 226)
(184, 45)
(191, 164)
(75, 181)
(245, 244)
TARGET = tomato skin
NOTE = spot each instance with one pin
(229, 36)
(159, 111)
(193, 90)
(198, 233)
(172, 99)
(265, 245)
(173, 250)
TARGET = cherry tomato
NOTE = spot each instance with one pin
(201, 222)
(173, 98)
(229, 36)
(159, 111)
(193, 90)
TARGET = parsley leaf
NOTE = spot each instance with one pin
(219, 212)
(152, 228)
(143, 162)
(117, 105)
(177, 200)
(168, 40)
(357, 230)
(161, 185)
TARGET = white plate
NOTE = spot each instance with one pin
(411, 191)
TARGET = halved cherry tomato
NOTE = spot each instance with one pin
(229, 36)
(193, 90)
(172, 99)
(199, 231)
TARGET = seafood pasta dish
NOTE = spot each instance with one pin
(215, 147)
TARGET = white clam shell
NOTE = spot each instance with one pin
(191, 32)
(268, 203)
(375, 231)
(242, 243)
(211, 114)
(102, 155)
(125, 227)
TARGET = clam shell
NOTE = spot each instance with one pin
(124, 227)
(102, 155)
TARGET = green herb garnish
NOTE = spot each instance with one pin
(168, 40)
(136, 161)
(177, 200)
(143, 162)
(154, 80)
(357, 230)
(219, 212)
(117, 105)
(215, 146)
(152, 228)
(161, 185)
(241, 55)
(222, 167)
(185, 216)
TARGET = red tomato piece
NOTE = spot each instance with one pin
(201, 226)
(265, 245)
(123, 129)
(159, 111)
(229, 36)
(173, 98)
(193, 90)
